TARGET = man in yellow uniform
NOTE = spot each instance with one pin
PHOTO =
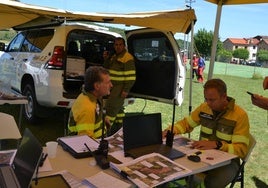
(86, 113)
(121, 67)
(224, 126)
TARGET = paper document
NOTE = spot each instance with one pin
(214, 157)
(77, 143)
(151, 170)
(104, 180)
(7, 157)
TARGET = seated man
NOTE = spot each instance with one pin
(86, 113)
(224, 126)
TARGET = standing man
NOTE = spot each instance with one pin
(86, 112)
(224, 126)
(200, 71)
(195, 66)
(123, 75)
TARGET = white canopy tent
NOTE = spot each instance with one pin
(14, 14)
(220, 3)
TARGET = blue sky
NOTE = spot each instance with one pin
(237, 21)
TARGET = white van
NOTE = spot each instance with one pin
(47, 64)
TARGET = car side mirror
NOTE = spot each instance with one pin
(2, 46)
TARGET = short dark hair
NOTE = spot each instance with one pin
(120, 38)
(216, 83)
(93, 75)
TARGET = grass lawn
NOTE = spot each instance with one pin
(238, 79)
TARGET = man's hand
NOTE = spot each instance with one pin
(260, 101)
(107, 123)
(124, 94)
(105, 55)
(164, 134)
(204, 144)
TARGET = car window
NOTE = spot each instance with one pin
(155, 65)
(36, 40)
(155, 48)
(89, 45)
(15, 44)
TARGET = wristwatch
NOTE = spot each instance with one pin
(219, 144)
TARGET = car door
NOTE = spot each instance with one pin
(9, 61)
(160, 73)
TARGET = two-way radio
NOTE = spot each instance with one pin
(101, 153)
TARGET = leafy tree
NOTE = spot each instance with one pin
(241, 53)
(262, 55)
(224, 56)
(203, 41)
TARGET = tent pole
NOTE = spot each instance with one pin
(191, 69)
(215, 40)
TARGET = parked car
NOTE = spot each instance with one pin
(47, 64)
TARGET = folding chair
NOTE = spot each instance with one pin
(240, 174)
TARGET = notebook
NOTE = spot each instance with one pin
(142, 135)
(25, 163)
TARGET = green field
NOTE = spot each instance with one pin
(238, 79)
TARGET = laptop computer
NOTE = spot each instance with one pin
(142, 135)
(20, 173)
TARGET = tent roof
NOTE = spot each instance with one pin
(14, 13)
(237, 2)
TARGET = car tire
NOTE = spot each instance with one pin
(30, 109)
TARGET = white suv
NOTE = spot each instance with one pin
(47, 64)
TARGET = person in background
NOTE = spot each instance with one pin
(86, 112)
(121, 66)
(201, 67)
(259, 100)
(195, 66)
(224, 126)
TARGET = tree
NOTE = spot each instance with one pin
(262, 55)
(203, 42)
(241, 53)
(224, 56)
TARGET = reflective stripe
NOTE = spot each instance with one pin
(119, 120)
(120, 115)
(231, 148)
(84, 127)
(223, 136)
(191, 122)
(206, 130)
(123, 78)
(122, 73)
(240, 139)
(110, 118)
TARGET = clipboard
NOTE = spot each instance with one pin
(75, 145)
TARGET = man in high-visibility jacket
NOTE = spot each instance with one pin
(224, 126)
(86, 112)
(122, 70)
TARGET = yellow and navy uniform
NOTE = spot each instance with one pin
(123, 75)
(86, 116)
(231, 127)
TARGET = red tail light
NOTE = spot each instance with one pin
(57, 57)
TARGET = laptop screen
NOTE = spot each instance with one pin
(27, 158)
(142, 130)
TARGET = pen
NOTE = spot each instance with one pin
(88, 148)
(124, 174)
